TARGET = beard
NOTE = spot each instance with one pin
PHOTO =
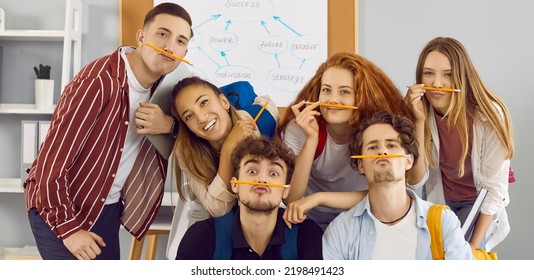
(382, 176)
(259, 207)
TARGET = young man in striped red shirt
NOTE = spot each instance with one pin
(96, 169)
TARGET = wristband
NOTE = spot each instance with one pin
(174, 129)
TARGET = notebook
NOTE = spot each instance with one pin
(471, 219)
(163, 97)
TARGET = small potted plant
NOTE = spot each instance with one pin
(44, 87)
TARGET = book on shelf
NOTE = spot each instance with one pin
(29, 146)
(33, 134)
(43, 131)
(471, 219)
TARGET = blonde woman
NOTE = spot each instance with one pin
(468, 138)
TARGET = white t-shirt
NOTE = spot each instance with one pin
(132, 143)
(398, 241)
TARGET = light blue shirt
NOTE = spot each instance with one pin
(352, 235)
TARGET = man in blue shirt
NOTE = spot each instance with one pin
(390, 222)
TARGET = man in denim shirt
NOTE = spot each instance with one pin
(390, 222)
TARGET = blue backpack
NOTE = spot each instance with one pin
(241, 95)
(224, 244)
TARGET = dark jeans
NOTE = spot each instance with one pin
(462, 209)
(107, 226)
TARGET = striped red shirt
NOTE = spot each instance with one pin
(75, 168)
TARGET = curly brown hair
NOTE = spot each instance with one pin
(263, 148)
(401, 124)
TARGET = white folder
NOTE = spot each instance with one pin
(43, 130)
(28, 146)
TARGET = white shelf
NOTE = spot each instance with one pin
(33, 35)
(11, 185)
(162, 222)
(70, 36)
(14, 185)
(23, 109)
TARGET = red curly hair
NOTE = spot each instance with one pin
(374, 90)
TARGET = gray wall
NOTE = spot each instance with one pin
(497, 34)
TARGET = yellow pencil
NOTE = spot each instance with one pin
(168, 53)
(333, 105)
(258, 183)
(261, 111)
(442, 89)
(381, 156)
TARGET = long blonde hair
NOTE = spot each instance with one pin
(474, 98)
(202, 159)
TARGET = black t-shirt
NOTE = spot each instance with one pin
(198, 242)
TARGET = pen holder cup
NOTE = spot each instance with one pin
(44, 94)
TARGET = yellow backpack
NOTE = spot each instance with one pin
(436, 236)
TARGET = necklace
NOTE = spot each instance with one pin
(392, 222)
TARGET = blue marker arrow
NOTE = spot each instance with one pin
(288, 27)
(228, 22)
(206, 55)
(212, 18)
(276, 58)
(223, 54)
(302, 63)
(263, 24)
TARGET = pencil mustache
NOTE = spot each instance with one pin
(381, 156)
(166, 53)
(333, 105)
(259, 184)
(442, 89)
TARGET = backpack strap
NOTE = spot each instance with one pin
(436, 236)
(223, 236)
(322, 139)
(511, 175)
(434, 227)
(288, 250)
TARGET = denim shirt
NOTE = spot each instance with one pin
(352, 235)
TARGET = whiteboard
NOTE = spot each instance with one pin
(276, 45)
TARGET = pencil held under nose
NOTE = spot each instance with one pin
(259, 184)
(381, 156)
(333, 105)
(441, 89)
(168, 53)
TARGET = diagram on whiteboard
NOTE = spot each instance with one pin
(276, 45)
